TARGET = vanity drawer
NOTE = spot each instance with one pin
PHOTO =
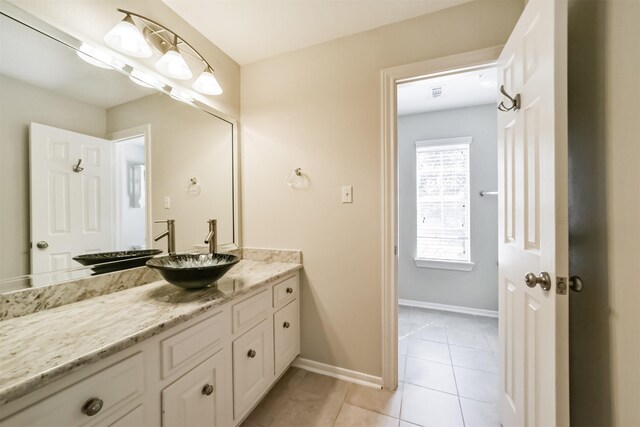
(285, 291)
(192, 345)
(113, 387)
(251, 311)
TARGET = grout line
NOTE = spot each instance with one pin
(455, 380)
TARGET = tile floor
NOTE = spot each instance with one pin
(448, 370)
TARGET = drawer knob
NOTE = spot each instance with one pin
(251, 354)
(92, 406)
(207, 390)
(289, 290)
(286, 325)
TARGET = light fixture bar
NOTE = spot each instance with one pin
(194, 53)
(170, 46)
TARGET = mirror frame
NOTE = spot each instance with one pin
(48, 30)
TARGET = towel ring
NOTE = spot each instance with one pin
(193, 188)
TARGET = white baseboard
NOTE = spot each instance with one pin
(340, 373)
(445, 307)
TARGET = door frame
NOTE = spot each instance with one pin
(145, 132)
(467, 61)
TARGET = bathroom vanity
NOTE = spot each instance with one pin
(154, 354)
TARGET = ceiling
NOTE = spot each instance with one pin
(46, 63)
(446, 92)
(251, 30)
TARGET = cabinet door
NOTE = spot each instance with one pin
(252, 366)
(197, 398)
(286, 333)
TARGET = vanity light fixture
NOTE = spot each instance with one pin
(172, 64)
(181, 95)
(98, 57)
(206, 83)
(145, 80)
(127, 38)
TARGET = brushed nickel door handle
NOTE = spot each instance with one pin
(543, 279)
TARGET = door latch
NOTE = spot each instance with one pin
(561, 285)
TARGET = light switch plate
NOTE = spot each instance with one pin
(347, 194)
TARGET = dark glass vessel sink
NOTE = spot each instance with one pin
(193, 271)
(127, 259)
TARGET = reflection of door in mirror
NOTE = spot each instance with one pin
(71, 191)
(130, 193)
(45, 81)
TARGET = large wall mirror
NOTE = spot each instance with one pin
(90, 160)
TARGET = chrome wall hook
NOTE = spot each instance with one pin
(515, 102)
(76, 167)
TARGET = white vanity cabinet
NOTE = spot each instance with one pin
(92, 400)
(211, 370)
(198, 398)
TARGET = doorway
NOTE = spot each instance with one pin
(448, 243)
(130, 193)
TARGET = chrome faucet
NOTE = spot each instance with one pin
(169, 233)
(212, 237)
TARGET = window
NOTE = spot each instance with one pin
(442, 184)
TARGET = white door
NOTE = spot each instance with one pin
(71, 212)
(533, 220)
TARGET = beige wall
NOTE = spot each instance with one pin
(622, 108)
(20, 104)
(185, 143)
(320, 109)
(90, 20)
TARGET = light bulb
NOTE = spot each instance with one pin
(98, 57)
(127, 38)
(206, 83)
(172, 64)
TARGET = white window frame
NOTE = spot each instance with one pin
(437, 263)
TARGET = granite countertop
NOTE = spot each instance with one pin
(40, 348)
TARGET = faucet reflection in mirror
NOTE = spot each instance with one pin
(127, 38)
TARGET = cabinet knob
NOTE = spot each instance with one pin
(289, 290)
(207, 390)
(92, 406)
(286, 325)
(251, 354)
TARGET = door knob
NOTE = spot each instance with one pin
(575, 283)
(42, 245)
(543, 279)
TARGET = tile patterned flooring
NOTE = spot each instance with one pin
(448, 370)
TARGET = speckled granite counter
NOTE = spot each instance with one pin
(39, 348)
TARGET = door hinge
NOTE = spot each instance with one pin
(561, 285)
(395, 250)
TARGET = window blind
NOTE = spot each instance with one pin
(442, 174)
